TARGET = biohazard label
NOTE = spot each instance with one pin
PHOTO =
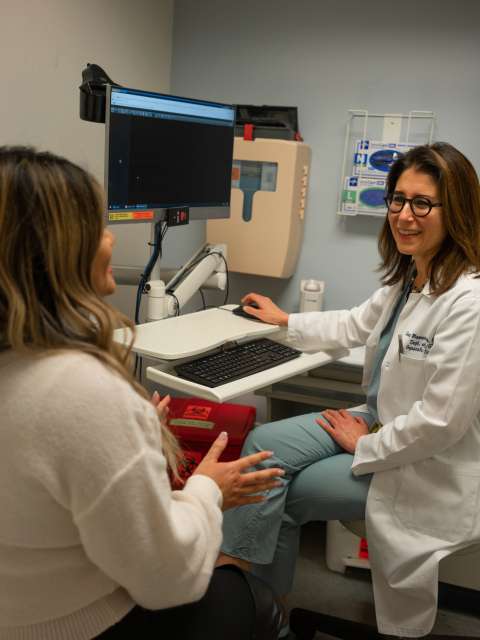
(197, 411)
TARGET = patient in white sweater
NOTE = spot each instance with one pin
(90, 530)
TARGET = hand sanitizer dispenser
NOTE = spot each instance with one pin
(311, 295)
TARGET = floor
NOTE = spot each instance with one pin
(350, 595)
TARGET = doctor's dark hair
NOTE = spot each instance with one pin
(51, 226)
(459, 193)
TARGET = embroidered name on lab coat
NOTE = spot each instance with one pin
(416, 346)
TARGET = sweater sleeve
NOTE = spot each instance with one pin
(158, 544)
(101, 458)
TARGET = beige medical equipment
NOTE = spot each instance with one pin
(264, 238)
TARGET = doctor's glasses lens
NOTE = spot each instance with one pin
(420, 206)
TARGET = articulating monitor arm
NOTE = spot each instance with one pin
(207, 268)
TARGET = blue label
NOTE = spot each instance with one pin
(382, 160)
(372, 197)
(360, 158)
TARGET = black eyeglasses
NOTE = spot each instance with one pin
(419, 205)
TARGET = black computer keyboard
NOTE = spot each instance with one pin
(236, 362)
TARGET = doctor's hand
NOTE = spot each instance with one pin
(266, 311)
(237, 484)
(344, 428)
(161, 405)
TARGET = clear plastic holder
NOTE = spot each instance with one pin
(373, 141)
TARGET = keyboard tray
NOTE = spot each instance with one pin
(164, 375)
(236, 362)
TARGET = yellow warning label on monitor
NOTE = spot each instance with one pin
(122, 216)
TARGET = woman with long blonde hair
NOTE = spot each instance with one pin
(93, 541)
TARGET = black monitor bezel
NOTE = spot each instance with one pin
(196, 212)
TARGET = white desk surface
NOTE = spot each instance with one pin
(193, 333)
(175, 339)
(355, 357)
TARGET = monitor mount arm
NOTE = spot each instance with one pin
(206, 268)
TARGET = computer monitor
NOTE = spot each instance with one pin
(166, 152)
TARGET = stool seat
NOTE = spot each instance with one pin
(305, 623)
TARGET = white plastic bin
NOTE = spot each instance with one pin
(344, 548)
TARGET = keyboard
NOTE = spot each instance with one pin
(236, 362)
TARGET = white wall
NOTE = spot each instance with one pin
(45, 44)
(327, 56)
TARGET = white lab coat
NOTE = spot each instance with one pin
(423, 501)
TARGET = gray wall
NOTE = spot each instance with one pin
(327, 56)
(45, 44)
(324, 56)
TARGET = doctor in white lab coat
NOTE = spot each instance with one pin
(422, 375)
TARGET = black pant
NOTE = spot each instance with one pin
(226, 612)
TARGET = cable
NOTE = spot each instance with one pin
(159, 234)
(138, 365)
(157, 252)
(227, 286)
(177, 311)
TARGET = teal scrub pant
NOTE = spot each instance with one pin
(318, 485)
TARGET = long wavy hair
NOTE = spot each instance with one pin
(51, 224)
(459, 193)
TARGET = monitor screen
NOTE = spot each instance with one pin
(166, 152)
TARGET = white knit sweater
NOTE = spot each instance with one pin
(89, 525)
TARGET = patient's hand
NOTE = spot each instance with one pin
(237, 484)
(267, 310)
(344, 428)
(161, 405)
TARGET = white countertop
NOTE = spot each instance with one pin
(355, 357)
